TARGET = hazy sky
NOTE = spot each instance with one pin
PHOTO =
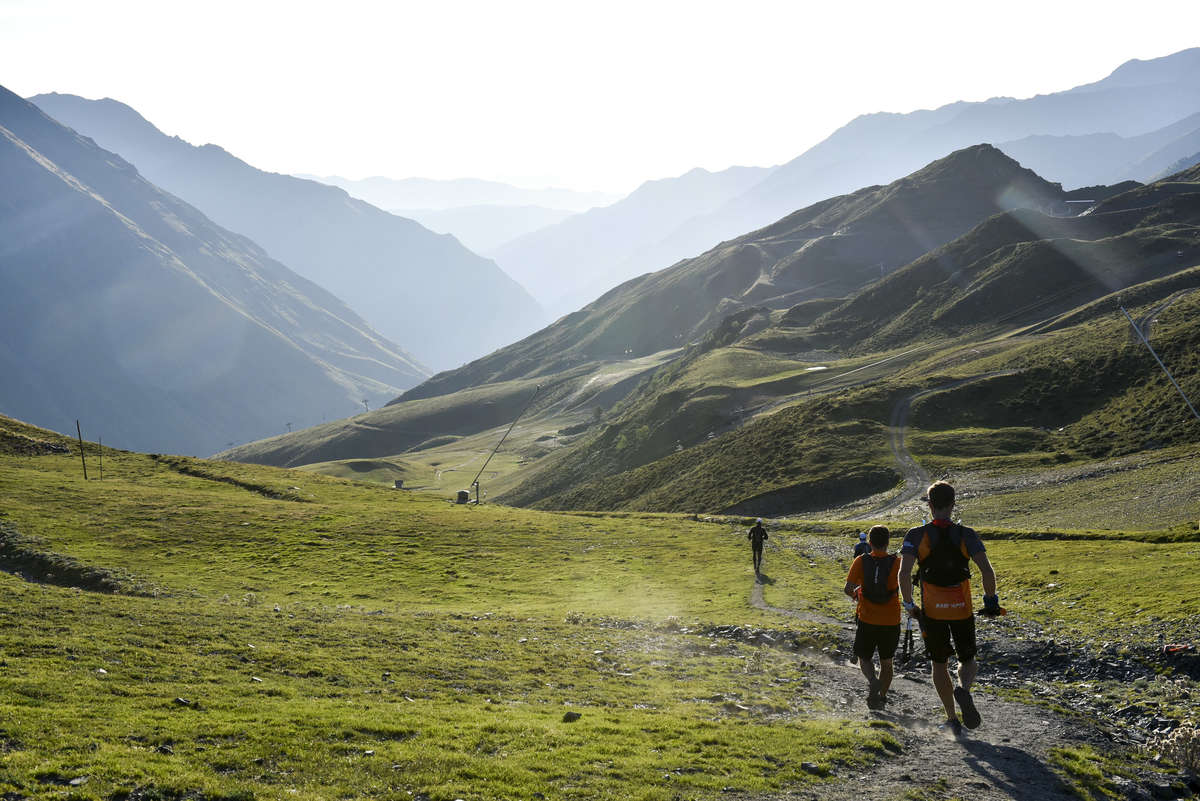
(588, 95)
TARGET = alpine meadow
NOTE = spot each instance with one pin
(866, 473)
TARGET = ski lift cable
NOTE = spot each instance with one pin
(536, 390)
(1146, 342)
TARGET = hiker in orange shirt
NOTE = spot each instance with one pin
(873, 582)
(944, 551)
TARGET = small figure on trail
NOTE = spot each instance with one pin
(873, 581)
(757, 535)
(944, 551)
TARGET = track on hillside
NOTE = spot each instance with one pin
(1146, 322)
(916, 478)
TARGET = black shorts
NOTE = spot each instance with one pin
(938, 634)
(871, 636)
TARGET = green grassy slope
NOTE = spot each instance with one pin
(1024, 266)
(281, 634)
(347, 640)
(826, 250)
(1086, 392)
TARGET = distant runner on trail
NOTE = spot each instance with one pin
(862, 546)
(757, 535)
(944, 551)
(873, 581)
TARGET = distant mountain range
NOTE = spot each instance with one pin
(429, 193)
(575, 261)
(485, 228)
(130, 310)
(1134, 124)
(483, 215)
(1139, 97)
(1106, 158)
(423, 290)
(827, 250)
(764, 376)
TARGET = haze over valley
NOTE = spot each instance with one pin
(389, 395)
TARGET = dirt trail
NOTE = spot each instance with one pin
(756, 600)
(1146, 322)
(1007, 757)
(916, 479)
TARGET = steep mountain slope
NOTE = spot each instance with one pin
(1083, 375)
(1137, 98)
(128, 308)
(1024, 266)
(423, 290)
(800, 408)
(824, 251)
(571, 263)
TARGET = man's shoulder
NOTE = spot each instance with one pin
(971, 539)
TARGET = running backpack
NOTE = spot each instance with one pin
(876, 572)
(945, 565)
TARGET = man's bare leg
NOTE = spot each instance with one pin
(867, 666)
(885, 676)
(966, 673)
(945, 688)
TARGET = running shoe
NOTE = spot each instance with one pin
(970, 715)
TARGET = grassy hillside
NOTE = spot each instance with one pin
(1087, 392)
(805, 409)
(828, 249)
(1023, 267)
(280, 635)
(277, 634)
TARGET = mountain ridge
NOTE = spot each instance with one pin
(127, 307)
(768, 267)
(396, 274)
(883, 146)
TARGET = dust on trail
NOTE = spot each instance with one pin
(1007, 757)
(756, 600)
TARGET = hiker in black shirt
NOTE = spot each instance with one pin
(862, 546)
(757, 535)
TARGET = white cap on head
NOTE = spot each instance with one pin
(862, 535)
(758, 520)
